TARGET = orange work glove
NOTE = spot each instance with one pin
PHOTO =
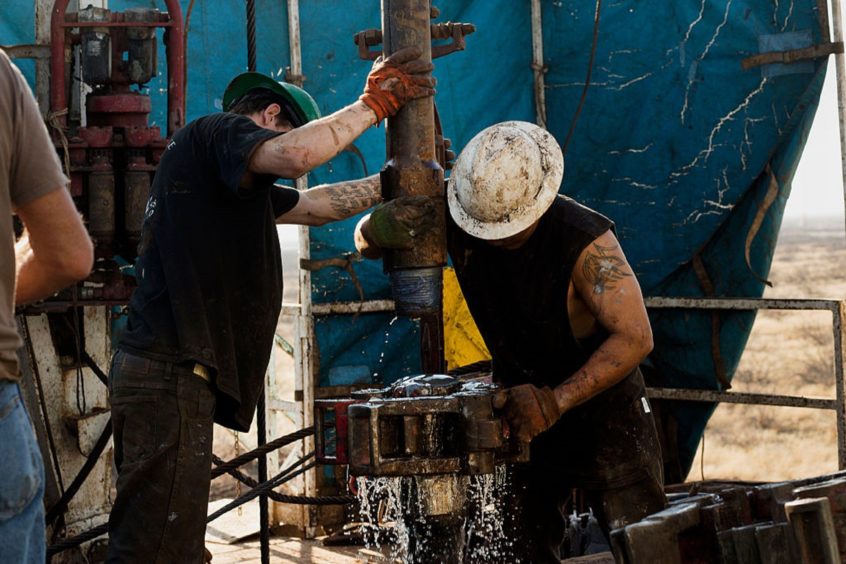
(396, 80)
(529, 410)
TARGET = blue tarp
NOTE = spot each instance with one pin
(675, 142)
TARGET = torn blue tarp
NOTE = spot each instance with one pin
(691, 155)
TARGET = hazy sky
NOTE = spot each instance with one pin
(818, 187)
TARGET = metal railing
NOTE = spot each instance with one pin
(837, 404)
(836, 307)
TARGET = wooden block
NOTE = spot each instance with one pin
(813, 527)
(774, 544)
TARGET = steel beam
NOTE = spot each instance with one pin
(739, 397)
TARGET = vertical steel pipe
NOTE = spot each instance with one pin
(175, 45)
(412, 169)
(261, 410)
(59, 56)
(840, 75)
(537, 63)
(839, 328)
(305, 351)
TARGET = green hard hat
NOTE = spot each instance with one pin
(300, 101)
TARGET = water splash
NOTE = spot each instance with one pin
(486, 538)
(375, 377)
(380, 500)
(392, 515)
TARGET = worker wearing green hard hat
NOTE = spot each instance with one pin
(201, 323)
(298, 104)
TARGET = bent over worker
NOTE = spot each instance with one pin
(202, 320)
(562, 314)
(54, 252)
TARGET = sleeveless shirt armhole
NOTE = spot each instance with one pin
(581, 219)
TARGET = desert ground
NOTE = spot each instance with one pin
(789, 352)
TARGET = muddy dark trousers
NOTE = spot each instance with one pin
(535, 513)
(614, 461)
(162, 418)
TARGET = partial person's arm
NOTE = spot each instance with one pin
(305, 148)
(55, 250)
(333, 202)
(607, 285)
(392, 83)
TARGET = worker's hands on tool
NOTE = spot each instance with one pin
(529, 410)
(396, 80)
(395, 224)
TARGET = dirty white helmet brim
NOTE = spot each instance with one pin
(526, 215)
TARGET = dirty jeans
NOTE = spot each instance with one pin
(162, 416)
(22, 536)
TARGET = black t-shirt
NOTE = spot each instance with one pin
(209, 266)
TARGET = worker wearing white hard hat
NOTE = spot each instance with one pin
(561, 312)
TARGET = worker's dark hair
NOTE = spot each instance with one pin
(257, 99)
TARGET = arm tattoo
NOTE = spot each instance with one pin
(349, 198)
(604, 268)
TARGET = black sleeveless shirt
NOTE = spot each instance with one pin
(518, 299)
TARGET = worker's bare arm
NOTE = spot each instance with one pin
(304, 148)
(55, 250)
(391, 83)
(333, 202)
(605, 283)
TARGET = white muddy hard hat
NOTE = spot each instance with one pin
(504, 180)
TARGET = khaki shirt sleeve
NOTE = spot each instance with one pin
(35, 169)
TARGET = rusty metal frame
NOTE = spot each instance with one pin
(300, 411)
(838, 312)
(456, 32)
(347, 308)
(538, 66)
(28, 51)
(840, 75)
(792, 56)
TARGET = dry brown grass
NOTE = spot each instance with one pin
(789, 352)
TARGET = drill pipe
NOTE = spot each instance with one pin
(412, 169)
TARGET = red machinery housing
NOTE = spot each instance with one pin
(108, 147)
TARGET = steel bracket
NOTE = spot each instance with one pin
(455, 32)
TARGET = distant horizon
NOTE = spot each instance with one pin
(817, 187)
(826, 216)
(814, 223)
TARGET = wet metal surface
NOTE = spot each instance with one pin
(420, 426)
